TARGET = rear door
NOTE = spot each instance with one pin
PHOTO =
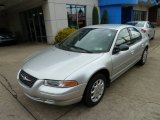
(136, 44)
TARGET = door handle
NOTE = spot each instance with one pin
(132, 52)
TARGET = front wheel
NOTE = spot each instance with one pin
(144, 57)
(94, 90)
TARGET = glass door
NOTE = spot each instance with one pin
(32, 31)
(35, 25)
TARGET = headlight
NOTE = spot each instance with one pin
(60, 83)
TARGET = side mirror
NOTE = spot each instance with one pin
(122, 47)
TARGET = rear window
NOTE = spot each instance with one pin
(137, 24)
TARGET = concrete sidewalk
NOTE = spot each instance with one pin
(10, 108)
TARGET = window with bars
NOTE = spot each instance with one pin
(139, 15)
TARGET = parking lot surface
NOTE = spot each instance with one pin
(133, 96)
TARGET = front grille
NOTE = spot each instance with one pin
(27, 79)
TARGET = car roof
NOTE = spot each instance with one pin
(109, 26)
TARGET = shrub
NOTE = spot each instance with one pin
(95, 16)
(62, 34)
(104, 19)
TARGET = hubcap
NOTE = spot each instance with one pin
(144, 56)
(97, 90)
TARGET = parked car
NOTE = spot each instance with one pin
(83, 65)
(145, 27)
(6, 36)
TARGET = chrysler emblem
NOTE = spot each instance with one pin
(25, 78)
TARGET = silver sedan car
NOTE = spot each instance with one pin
(83, 65)
(145, 26)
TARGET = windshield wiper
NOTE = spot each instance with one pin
(80, 49)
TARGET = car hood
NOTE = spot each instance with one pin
(57, 64)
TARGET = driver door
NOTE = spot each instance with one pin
(121, 60)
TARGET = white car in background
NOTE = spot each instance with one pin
(145, 27)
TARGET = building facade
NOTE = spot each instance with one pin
(40, 20)
(154, 14)
(122, 11)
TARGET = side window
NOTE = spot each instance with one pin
(123, 37)
(135, 35)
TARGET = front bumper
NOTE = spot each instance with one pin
(51, 95)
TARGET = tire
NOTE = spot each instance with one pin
(94, 90)
(144, 57)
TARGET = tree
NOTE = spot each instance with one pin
(104, 19)
(95, 16)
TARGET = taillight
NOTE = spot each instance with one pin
(143, 30)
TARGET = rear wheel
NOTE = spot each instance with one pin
(144, 57)
(94, 90)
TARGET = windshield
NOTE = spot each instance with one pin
(137, 24)
(89, 40)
